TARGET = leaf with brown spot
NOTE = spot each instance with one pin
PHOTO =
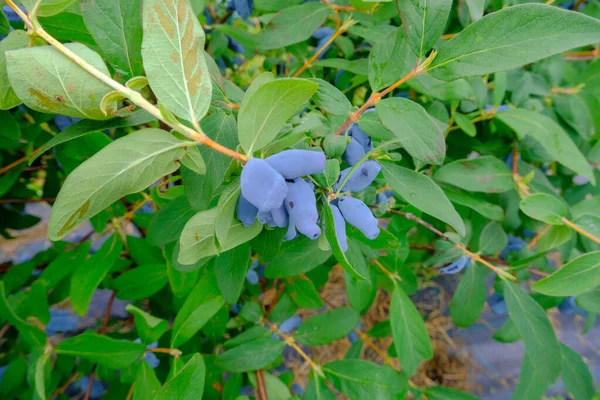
(127, 165)
(28, 67)
(173, 53)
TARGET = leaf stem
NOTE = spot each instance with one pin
(393, 277)
(419, 221)
(131, 94)
(20, 161)
(538, 236)
(477, 258)
(292, 343)
(307, 64)
(580, 230)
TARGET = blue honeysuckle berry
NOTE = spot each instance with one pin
(361, 137)
(280, 216)
(497, 304)
(246, 212)
(569, 306)
(262, 186)
(404, 95)
(61, 321)
(297, 389)
(243, 7)
(252, 277)
(514, 244)
(354, 152)
(11, 15)
(362, 177)
(357, 214)
(301, 205)
(266, 218)
(235, 45)
(384, 196)
(150, 358)
(63, 122)
(81, 385)
(456, 266)
(291, 232)
(292, 164)
(236, 308)
(340, 227)
(290, 324)
(323, 35)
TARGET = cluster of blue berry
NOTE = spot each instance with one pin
(275, 193)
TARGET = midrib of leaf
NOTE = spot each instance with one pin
(189, 316)
(126, 48)
(579, 272)
(357, 380)
(408, 338)
(59, 77)
(423, 31)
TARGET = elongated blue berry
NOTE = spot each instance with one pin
(293, 164)
(290, 324)
(266, 218)
(291, 232)
(280, 216)
(246, 212)
(340, 227)
(301, 205)
(361, 137)
(456, 266)
(357, 214)
(262, 185)
(361, 178)
(354, 152)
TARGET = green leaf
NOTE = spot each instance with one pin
(62, 266)
(507, 333)
(174, 42)
(4, 25)
(88, 276)
(414, 128)
(27, 67)
(576, 277)
(296, 257)
(166, 226)
(125, 166)
(48, 7)
(199, 307)
(267, 110)
(293, 25)
(424, 22)
(531, 384)
(551, 136)
(16, 40)
(421, 192)
(330, 99)
(359, 379)
(141, 282)
(441, 90)
(197, 240)
(30, 333)
(251, 356)
(68, 27)
(541, 345)
(445, 393)
(39, 362)
(303, 292)
(590, 301)
(149, 327)
(317, 389)
(411, 338)
(465, 124)
(556, 236)
(480, 206)
(574, 110)
(146, 383)
(325, 328)
(85, 127)
(576, 374)
(226, 212)
(389, 60)
(493, 239)
(231, 268)
(361, 292)
(116, 26)
(544, 207)
(512, 37)
(590, 224)
(469, 298)
(334, 243)
(187, 384)
(102, 350)
(482, 174)
(200, 189)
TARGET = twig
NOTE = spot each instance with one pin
(419, 221)
(64, 387)
(174, 352)
(111, 301)
(538, 236)
(307, 64)
(135, 97)
(393, 277)
(580, 230)
(262, 388)
(90, 383)
(20, 161)
(4, 329)
(292, 343)
(477, 258)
